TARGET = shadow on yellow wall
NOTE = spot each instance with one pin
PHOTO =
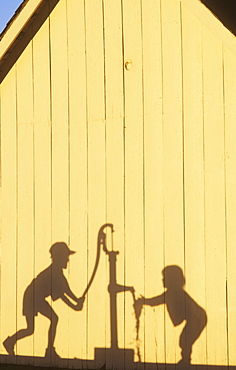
(180, 307)
(51, 282)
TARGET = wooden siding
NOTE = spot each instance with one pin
(150, 148)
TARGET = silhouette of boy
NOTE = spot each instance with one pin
(50, 282)
(180, 307)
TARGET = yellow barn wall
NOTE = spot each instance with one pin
(148, 145)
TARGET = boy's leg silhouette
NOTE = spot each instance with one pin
(10, 342)
(47, 311)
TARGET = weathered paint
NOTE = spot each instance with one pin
(149, 148)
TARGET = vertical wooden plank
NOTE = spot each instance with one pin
(0, 210)
(96, 172)
(42, 170)
(60, 122)
(9, 201)
(115, 156)
(95, 67)
(78, 172)
(172, 155)
(25, 246)
(215, 233)
(60, 156)
(134, 180)
(230, 158)
(153, 177)
(194, 170)
(113, 63)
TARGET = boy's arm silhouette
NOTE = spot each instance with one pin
(76, 307)
(68, 293)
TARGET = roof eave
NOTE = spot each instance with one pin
(18, 25)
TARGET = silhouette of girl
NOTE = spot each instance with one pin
(50, 282)
(180, 307)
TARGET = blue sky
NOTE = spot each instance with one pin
(7, 9)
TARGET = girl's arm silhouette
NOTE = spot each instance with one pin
(154, 301)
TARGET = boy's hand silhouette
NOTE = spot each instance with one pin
(80, 303)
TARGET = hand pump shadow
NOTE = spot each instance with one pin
(113, 357)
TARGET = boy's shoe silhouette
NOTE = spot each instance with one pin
(183, 364)
(9, 346)
(52, 352)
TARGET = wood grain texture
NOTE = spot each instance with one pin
(215, 233)
(153, 178)
(96, 170)
(133, 162)
(173, 151)
(60, 154)
(9, 205)
(78, 157)
(42, 168)
(230, 112)
(122, 112)
(25, 186)
(193, 118)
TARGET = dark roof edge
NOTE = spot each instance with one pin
(12, 19)
(224, 11)
(24, 28)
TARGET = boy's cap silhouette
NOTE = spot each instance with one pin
(60, 249)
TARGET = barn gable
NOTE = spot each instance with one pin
(224, 10)
(120, 112)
